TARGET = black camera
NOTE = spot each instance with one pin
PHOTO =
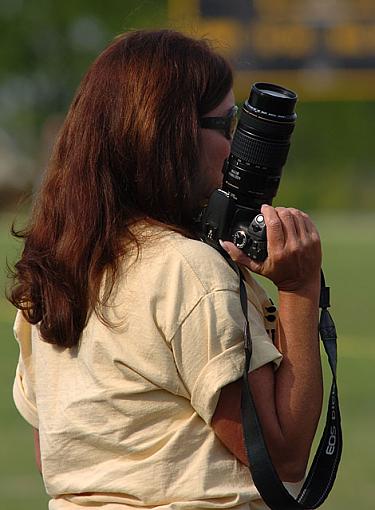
(252, 172)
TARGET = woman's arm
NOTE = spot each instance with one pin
(289, 400)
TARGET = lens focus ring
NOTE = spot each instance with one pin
(259, 152)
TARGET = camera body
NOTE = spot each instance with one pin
(224, 219)
(252, 171)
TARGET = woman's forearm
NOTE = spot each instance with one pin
(298, 381)
(288, 401)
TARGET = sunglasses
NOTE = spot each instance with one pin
(226, 124)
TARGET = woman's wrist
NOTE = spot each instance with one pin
(306, 287)
(302, 301)
(301, 290)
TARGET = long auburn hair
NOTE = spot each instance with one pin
(128, 149)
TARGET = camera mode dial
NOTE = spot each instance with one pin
(240, 239)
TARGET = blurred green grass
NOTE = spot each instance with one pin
(349, 252)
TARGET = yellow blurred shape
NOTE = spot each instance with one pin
(225, 33)
(278, 10)
(365, 8)
(351, 40)
(274, 40)
(178, 10)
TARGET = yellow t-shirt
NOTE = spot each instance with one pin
(124, 418)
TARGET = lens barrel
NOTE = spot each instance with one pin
(260, 145)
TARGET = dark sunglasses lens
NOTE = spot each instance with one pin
(232, 123)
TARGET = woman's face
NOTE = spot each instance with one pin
(214, 148)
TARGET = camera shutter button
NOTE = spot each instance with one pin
(258, 223)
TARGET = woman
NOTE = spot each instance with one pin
(130, 328)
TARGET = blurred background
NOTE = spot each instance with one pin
(322, 49)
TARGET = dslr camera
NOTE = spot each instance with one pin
(252, 172)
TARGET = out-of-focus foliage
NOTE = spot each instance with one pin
(45, 48)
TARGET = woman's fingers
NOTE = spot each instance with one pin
(290, 228)
(275, 231)
(303, 224)
(239, 256)
(235, 253)
(307, 231)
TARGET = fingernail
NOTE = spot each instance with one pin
(222, 244)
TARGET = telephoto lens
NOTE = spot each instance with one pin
(252, 172)
(260, 146)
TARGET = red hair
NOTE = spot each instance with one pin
(128, 149)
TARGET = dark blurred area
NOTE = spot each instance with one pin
(322, 49)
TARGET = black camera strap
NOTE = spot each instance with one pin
(322, 474)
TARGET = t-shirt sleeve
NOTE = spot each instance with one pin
(209, 351)
(23, 387)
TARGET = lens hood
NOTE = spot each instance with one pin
(272, 102)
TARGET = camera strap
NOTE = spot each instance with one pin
(322, 474)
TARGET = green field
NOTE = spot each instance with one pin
(349, 255)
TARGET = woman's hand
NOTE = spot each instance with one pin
(294, 251)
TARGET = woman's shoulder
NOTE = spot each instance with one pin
(203, 262)
(172, 276)
(170, 255)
